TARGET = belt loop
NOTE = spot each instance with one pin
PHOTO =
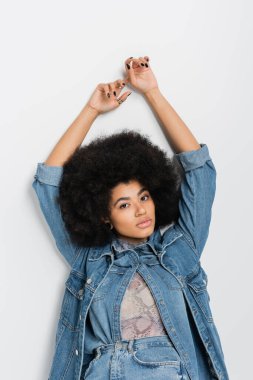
(130, 346)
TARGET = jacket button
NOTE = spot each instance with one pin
(88, 280)
(76, 352)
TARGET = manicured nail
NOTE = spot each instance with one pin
(146, 64)
(147, 59)
(114, 92)
(128, 66)
(123, 84)
(129, 94)
(142, 64)
(108, 94)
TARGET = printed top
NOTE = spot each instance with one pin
(139, 316)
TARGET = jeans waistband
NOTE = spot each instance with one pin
(133, 344)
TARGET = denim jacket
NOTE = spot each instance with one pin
(178, 249)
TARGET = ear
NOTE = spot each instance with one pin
(105, 220)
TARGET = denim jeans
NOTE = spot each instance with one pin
(143, 359)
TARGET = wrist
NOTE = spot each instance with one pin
(152, 92)
(91, 110)
(154, 97)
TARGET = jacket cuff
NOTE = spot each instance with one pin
(50, 175)
(194, 158)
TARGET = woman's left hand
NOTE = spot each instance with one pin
(139, 74)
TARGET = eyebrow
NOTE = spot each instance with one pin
(126, 198)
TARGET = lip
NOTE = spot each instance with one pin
(146, 223)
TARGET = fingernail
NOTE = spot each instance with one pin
(142, 64)
(146, 64)
(129, 94)
(108, 94)
(114, 92)
(128, 66)
(123, 84)
(147, 59)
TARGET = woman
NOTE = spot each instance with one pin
(136, 303)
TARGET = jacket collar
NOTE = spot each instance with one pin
(155, 241)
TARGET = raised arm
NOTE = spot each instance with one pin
(103, 99)
(73, 137)
(48, 174)
(142, 78)
(199, 183)
(180, 137)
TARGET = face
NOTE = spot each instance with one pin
(130, 204)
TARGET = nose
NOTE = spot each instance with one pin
(140, 210)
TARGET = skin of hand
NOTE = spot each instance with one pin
(139, 74)
(104, 97)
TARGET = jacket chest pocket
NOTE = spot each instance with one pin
(72, 301)
(108, 284)
(197, 284)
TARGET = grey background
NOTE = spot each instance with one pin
(53, 56)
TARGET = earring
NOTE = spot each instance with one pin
(109, 225)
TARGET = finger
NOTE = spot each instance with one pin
(123, 97)
(120, 83)
(128, 60)
(143, 62)
(130, 71)
(107, 90)
(136, 63)
(113, 89)
(134, 60)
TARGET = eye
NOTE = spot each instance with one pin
(123, 204)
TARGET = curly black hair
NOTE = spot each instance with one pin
(93, 170)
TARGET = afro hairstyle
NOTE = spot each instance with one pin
(93, 170)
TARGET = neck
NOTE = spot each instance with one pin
(132, 240)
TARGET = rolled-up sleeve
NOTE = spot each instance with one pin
(198, 191)
(46, 185)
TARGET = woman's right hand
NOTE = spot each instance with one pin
(105, 97)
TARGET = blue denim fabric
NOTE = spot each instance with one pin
(102, 321)
(177, 278)
(103, 328)
(146, 358)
